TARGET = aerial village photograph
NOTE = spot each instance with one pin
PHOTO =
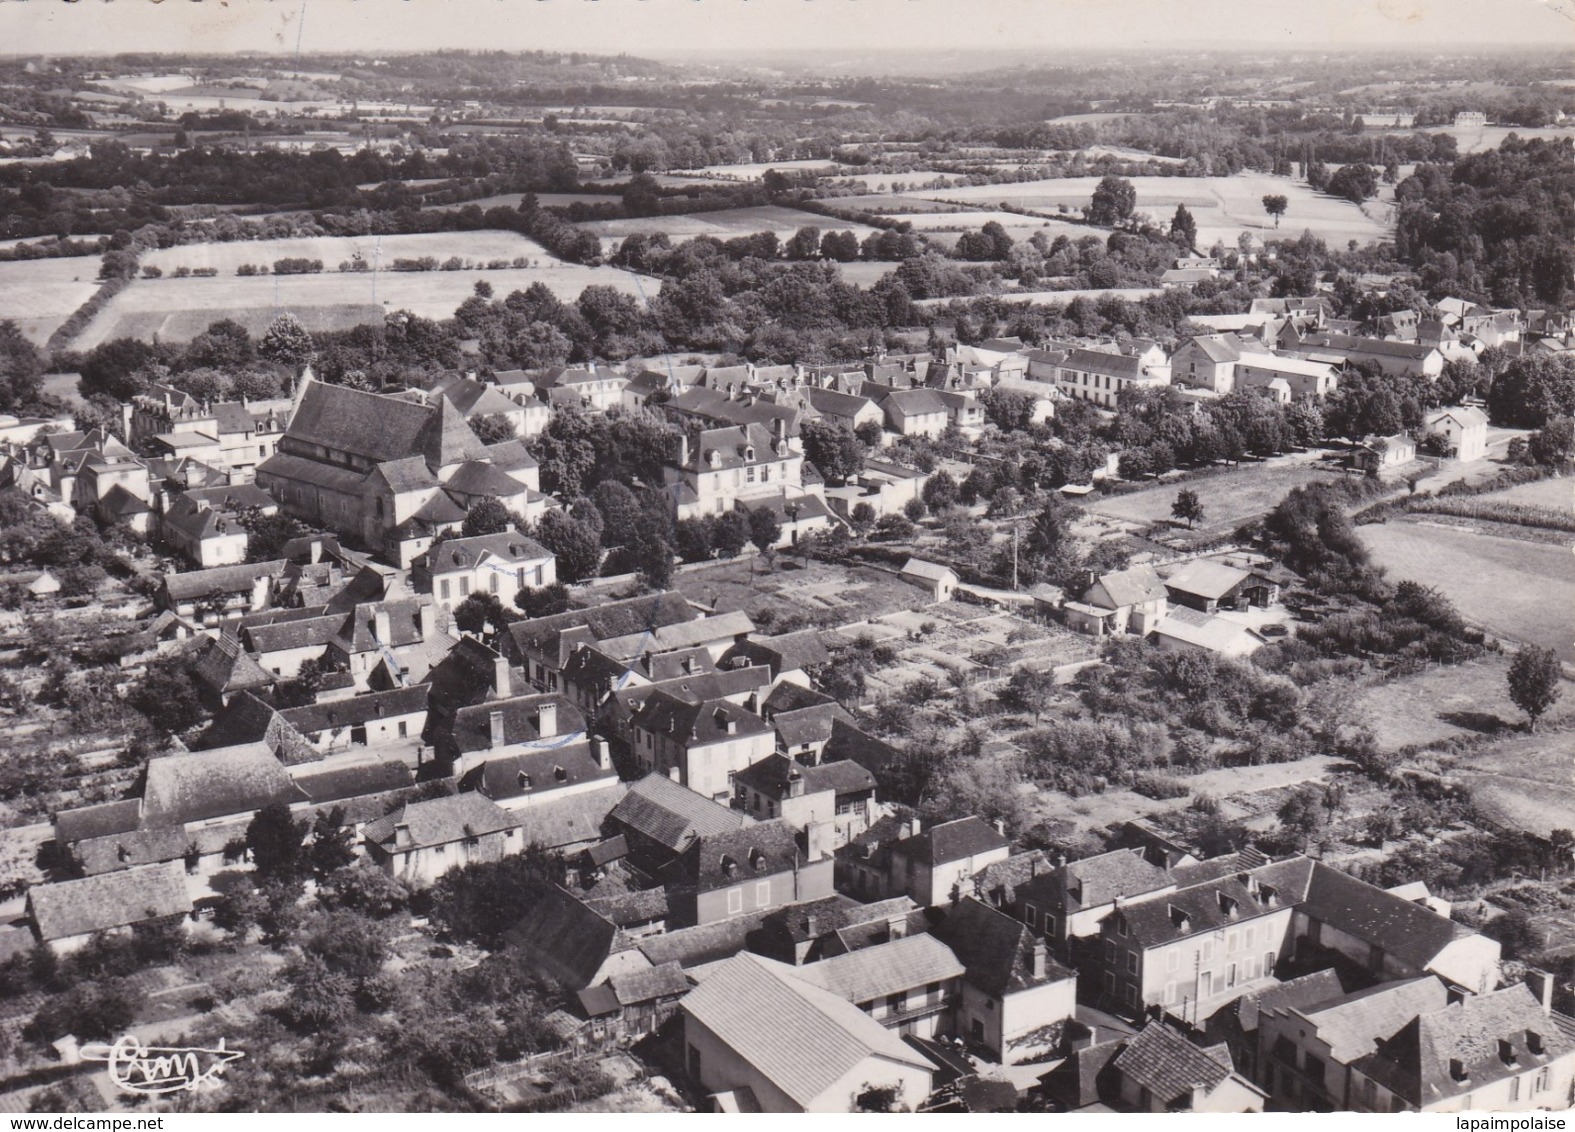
(957, 556)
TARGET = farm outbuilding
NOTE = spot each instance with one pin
(939, 581)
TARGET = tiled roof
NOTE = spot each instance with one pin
(874, 972)
(1215, 903)
(930, 571)
(666, 980)
(1410, 932)
(814, 1039)
(300, 633)
(1098, 361)
(1384, 347)
(673, 815)
(564, 938)
(111, 900)
(211, 784)
(999, 882)
(697, 724)
(442, 821)
(128, 850)
(536, 773)
(1275, 363)
(951, 841)
(1216, 347)
(703, 943)
(1095, 880)
(635, 615)
(335, 781)
(833, 913)
(1132, 586)
(554, 823)
(1216, 634)
(720, 860)
(1415, 1063)
(465, 553)
(479, 478)
(471, 729)
(789, 652)
(97, 821)
(220, 579)
(511, 456)
(913, 402)
(1169, 1066)
(1354, 1024)
(407, 474)
(1206, 579)
(849, 743)
(996, 949)
(477, 400)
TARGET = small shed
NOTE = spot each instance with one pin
(940, 582)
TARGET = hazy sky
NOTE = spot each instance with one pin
(668, 27)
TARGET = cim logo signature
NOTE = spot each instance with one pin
(155, 1070)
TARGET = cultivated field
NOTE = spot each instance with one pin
(1524, 783)
(40, 294)
(1222, 206)
(1522, 590)
(971, 221)
(1476, 139)
(546, 200)
(882, 182)
(180, 309)
(1229, 498)
(334, 250)
(1558, 492)
(724, 225)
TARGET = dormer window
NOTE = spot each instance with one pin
(1229, 906)
(749, 453)
(1179, 919)
(1506, 1052)
(757, 860)
(729, 866)
(1457, 1070)
(1534, 1042)
(560, 774)
(1268, 895)
(524, 780)
(715, 458)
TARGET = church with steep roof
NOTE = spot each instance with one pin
(391, 473)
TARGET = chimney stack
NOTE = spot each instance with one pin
(811, 922)
(547, 720)
(428, 618)
(495, 731)
(1039, 959)
(599, 752)
(381, 628)
(1540, 984)
(500, 675)
(672, 773)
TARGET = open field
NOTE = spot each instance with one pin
(1060, 298)
(334, 250)
(1222, 206)
(757, 170)
(1524, 783)
(970, 221)
(724, 225)
(865, 273)
(1444, 703)
(1475, 139)
(899, 206)
(180, 309)
(882, 182)
(40, 294)
(1521, 590)
(512, 200)
(1229, 498)
(1558, 492)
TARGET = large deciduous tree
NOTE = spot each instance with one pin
(1114, 200)
(1534, 679)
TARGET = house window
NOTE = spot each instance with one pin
(1121, 926)
(492, 579)
(1230, 942)
(1208, 950)
(1247, 939)
(1172, 959)
(897, 1003)
(1132, 963)
(1313, 1067)
(763, 894)
(1170, 992)
(1050, 924)
(1132, 995)
(1544, 1076)
(735, 901)
(443, 589)
(403, 728)
(464, 587)
(1514, 1089)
